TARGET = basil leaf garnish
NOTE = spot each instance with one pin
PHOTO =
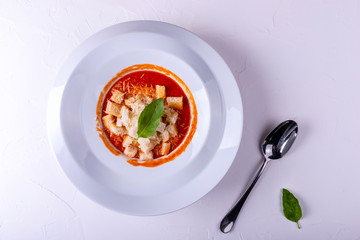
(150, 118)
(291, 207)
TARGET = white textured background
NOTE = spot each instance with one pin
(291, 59)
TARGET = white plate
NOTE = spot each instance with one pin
(109, 179)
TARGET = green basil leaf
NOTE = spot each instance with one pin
(291, 206)
(150, 118)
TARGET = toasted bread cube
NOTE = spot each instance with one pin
(146, 156)
(113, 109)
(108, 120)
(132, 131)
(128, 140)
(129, 102)
(117, 96)
(161, 127)
(109, 123)
(119, 122)
(165, 136)
(170, 114)
(145, 144)
(155, 139)
(175, 102)
(130, 151)
(160, 91)
(165, 148)
(117, 130)
(124, 120)
(172, 129)
(125, 115)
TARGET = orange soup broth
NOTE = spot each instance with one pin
(144, 81)
(147, 80)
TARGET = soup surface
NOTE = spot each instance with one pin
(125, 97)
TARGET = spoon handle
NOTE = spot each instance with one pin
(228, 221)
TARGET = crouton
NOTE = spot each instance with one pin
(130, 151)
(113, 109)
(137, 103)
(155, 139)
(161, 127)
(107, 120)
(127, 141)
(124, 120)
(146, 156)
(165, 136)
(145, 144)
(117, 96)
(172, 129)
(117, 130)
(109, 123)
(160, 91)
(165, 148)
(130, 101)
(119, 122)
(132, 131)
(170, 115)
(175, 102)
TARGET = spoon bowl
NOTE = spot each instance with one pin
(279, 141)
(275, 146)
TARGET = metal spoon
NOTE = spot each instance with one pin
(275, 145)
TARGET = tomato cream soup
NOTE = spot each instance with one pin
(125, 97)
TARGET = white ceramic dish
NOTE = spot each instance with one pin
(109, 179)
